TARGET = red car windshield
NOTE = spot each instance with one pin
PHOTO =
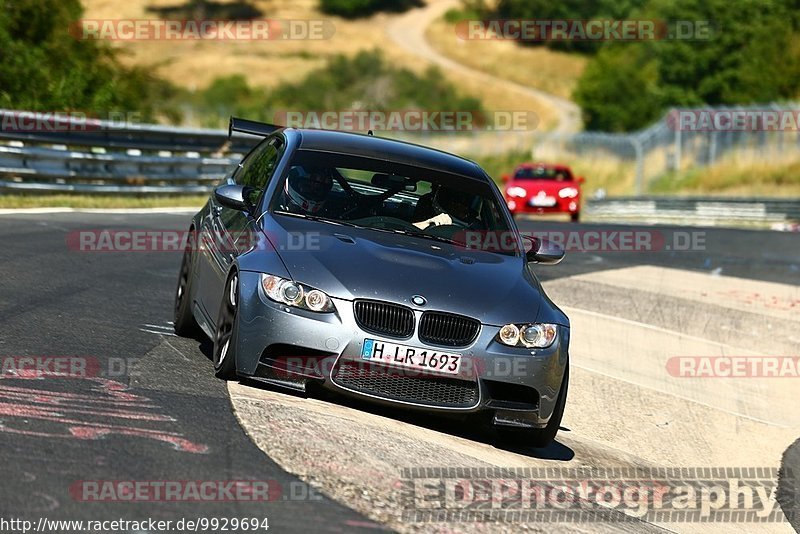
(542, 173)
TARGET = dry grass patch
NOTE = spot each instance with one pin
(740, 175)
(101, 201)
(537, 67)
(195, 64)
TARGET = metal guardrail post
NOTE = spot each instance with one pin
(639, 179)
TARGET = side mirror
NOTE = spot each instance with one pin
(506, 178)
(236, 197)
(580, 179)
(544, 251)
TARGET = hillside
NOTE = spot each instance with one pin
(195, 64)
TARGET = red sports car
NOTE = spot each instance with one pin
(543, 188)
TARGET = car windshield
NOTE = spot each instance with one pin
(390, 197)
(542, 173)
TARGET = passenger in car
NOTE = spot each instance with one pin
(447, 206)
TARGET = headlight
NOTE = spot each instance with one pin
(316, 300)
(518, 192)
(294, 294)
(538, 335)
(568, 192)
(509, 334)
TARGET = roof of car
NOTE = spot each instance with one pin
(387, 150)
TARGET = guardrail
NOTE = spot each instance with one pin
(76, 132)
(695, 210)
(90, 156)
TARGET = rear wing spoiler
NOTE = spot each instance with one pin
(261, 129)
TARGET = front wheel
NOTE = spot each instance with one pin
(575, 217)
(541, 437)
(224, 355)
(183, 321)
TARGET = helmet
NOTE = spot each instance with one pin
(461, 206)
(308, 187)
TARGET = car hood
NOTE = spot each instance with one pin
(351, 263)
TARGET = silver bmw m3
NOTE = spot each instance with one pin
(376, 269)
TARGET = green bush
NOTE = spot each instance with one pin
(619, 91)
(44, 68)
(230, 96)
(564, 10)
(752, 56)
(368, 81)
(208, 9)
(365, 81)
(365, 8)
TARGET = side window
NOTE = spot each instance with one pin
(259, 166)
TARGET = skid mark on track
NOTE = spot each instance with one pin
(53, 407)
(165, 329)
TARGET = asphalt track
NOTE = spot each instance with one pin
(162, 416)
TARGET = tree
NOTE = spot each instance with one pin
(578, 10)
(44, 68)
(751, 56)
(619, 90)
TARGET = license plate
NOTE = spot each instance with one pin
(543, 202)
(410, 357)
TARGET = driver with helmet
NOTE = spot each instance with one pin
(306, 189)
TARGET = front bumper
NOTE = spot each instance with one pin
(562, 205)
(295, 348)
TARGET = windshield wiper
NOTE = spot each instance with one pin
(429, 236)
(317, 218)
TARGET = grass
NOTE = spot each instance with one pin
(734, 178)
(533, 66)
(101, 201)
(266, 63)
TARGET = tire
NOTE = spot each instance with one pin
(575, 217)
(541, 437)
(224, 355)
(183, 321)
